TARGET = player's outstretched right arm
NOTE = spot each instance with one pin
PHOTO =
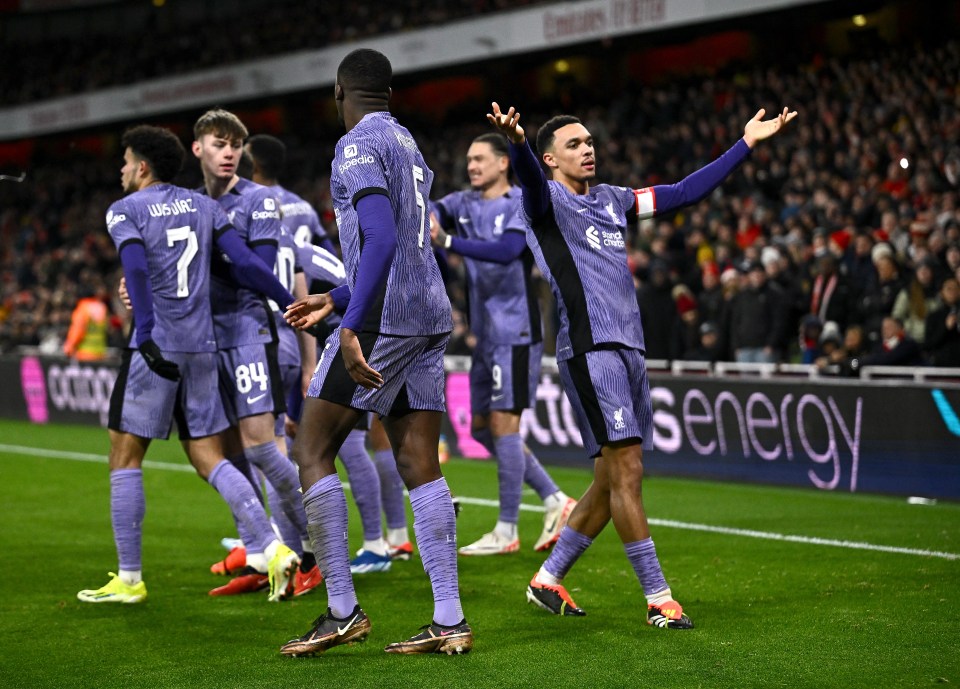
(533, 183)
(309, 311)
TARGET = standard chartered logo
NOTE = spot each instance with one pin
(593, 238)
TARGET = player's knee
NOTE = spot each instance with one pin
(416, 471)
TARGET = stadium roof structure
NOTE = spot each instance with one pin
(543, 27)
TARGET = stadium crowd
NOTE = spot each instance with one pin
(837, 243)
(161, 47)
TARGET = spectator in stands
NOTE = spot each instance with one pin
(758, 320)
(710, 295)
(830, 297)
(730, 284)
(845, 360)
(708, 348)
(951, 259)
(942, 341)
(876, 304)
(919, 241)
(831, 341)
(861, 272)
(916, 300)
(897, 348)
(657, 306)
(811, 328)
(688, 323)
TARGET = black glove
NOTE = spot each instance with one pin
(154, 358)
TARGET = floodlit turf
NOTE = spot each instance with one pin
(768, 613)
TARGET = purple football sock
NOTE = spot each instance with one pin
(364, 483)
(281, 473)
(127, 507)
(536, 476)
(566, 552)
(288, 532)
(250, 541)
(326, 509)
(238, 493)
(391, 489)
(643, 557)
(510, 465)
(435, 527)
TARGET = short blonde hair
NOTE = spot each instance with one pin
(222, 124)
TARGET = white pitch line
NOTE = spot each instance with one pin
(810, 540)
(669, 523)
(88, 457)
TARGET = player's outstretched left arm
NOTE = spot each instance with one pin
(695, 186)
(758, 129)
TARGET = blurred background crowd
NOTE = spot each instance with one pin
(837, 243)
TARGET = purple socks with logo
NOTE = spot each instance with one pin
(243, 501)
(510, 467)
(436, 529)
(364, 483)
(643, 557)
(566, 552)
(391, 489)
(326, 509)
(282, 475)
(127, 507)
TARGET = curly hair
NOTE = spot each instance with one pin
(159, 147)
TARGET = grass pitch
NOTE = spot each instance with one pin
(768, 612)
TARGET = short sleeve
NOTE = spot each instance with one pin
(122, 225)
(264, 225)
(360, 168)
(215, 212)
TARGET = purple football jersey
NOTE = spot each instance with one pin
(285, 268)
(299, 217)
(176, 227)
(579, 247)
(242, 316)
(503, 304)
(379, 156)
(323, 272)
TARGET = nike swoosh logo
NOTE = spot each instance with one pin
(581, 210)
(251, 400)
(341, 632)
(496, 397)
(463, 220)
